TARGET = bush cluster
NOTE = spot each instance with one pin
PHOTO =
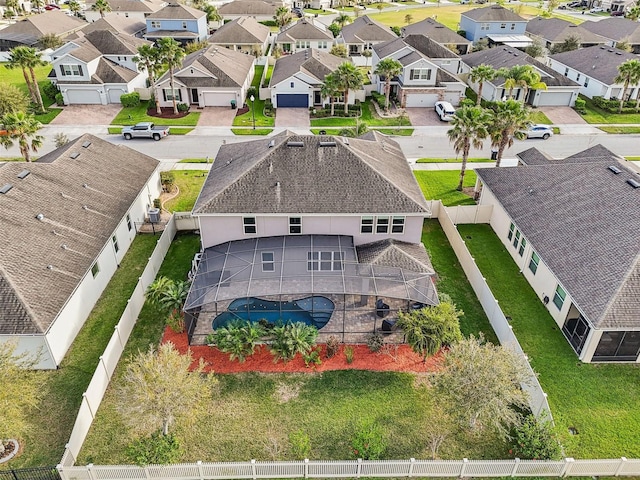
(130, 99)
(51, 90)
(183, 107)
(379, 99)
(59, 99)
(613, 105)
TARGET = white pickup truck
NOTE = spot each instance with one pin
(145, 130)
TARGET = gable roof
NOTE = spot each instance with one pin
(599, 62)
(363, 30)
(62, 247)
(177, 11)
(312, 62)
(429, 47)
(144, 6)
(593, 246)
(31, 29)
(508, 57)
(117, 24)
(247, 7)
(303, 30)
(244, 30)
(394, 253)
(493, 13)
(435, 31)
(595, 154)
(615, 28)
(308, 174)
(557, 30)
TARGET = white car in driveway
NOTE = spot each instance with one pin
(445, 111)
(596, 10)
(539, 131)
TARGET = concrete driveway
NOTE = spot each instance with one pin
(87, 115)
(216, 116)
(562, 115)
(421, 117)
(292, 117)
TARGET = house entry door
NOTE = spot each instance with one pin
(194, 96)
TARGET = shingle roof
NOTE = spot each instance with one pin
(508, 57)
(595, 154)
(363, 29)
(247, 7)
(34, 27)
(303, 30)
(339, 176)
(111, 72)
(428, 47)
(394, 253)
(245, 30)
(493, 13)
(435, 31)
(556, 30)
(605, 60)
(312, 62)
(60, 249)
(615, 28)
(116, 23)
(177, 11)
(583, 222)
(133, 5)
(112, 43)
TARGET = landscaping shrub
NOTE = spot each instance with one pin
(349, 354)
(379, 99)
(375, 341)
(369, 443)
(397, 30)
(157, 203)
(156, 449)
(313, 356)
(238, 339)
(183, 107)
(269, 23)
(581, 106)
(612, 106)
(333, 345)
(292, 338)
(167, 179)
(252, 91)
(535, 440)
(130, 99)
(268, 108)
(59, 99)
(467, 102)
(51, 90)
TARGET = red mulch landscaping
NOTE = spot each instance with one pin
(262, 361)
(167, 112)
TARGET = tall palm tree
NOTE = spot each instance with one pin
(512, 77)
(508, 120)
(27, 59)
(212, 13)
(75, 7)
(331, 89)
(171, 54)
(342, 20)
(628, 74)
(481, 74)
(633, 13)
(408, 18)
(101, 6)
(468, 129)
(148, 58)
(530, 80)
(282, 17)
(348, 77)
(22, 128)
(388, 68)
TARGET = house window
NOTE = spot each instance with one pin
(366, 225)
(292, 84)
(513, 26)
(114, 240)
(516, 239)
(420, 74)
(566, 71)
(295, 225)
(512, 227)
(155, 24)
(576, 330)
(249, 225)
(126, 14)
(184, 25)
(397, 225)
(586, 81)
(73, 70)
(168, 94)
(268, 264)
(129, 226)
(523, 245)
(578, 78)
(558, 298)
(95, 269)
(446, 62)
(382, 225)
(534, 262)
(484, 26)
(503, 25)
(323, 44)
(324, 261)
(302, 44)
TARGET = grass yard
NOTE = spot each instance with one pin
(600, 400)
(246, 119)
(597, 115)
(316, 11)
(250, 131)
(190, 183)
(537, 116)
(369, 116)
(401, 132)
(196, 160)
(452, 160)
(15, 77)
(633, 159)
(620, 130)
(133, 115)
(441, 185)
(267, 77)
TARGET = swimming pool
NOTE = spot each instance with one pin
(316, 311)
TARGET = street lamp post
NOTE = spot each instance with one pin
(253, 112)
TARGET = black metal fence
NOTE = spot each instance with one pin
(38, 473)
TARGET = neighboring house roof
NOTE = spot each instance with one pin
(117, 24)
(227, 68)
(533, 156)
(82, 201)
(615, 28)
(493, 13)
(291, 173)
(312, 62)
(144, 6)
(176, 11)
(394, 253)
(364, 30)
(599, 62)
(247, 7)
(556, 30)
(303, 30)
(429, 47)
(435, 31)
(30, 30)
(508, 57)
(592, 246)
(245, 30)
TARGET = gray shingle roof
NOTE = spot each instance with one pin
(605, 60)
(32, 28)
(583, 221)
(312, 62)
(114, 176)
(245, 30)
(493, 13)
(303, 30)
(133, 5)
(435, 31)
(615, 28)
(176, 11)
(116, 23)
(595, 154)
(364, 30)
(556, 30)
(247, 7)
(354, 176)
(428, 47)
(394, 253)
(110, 72)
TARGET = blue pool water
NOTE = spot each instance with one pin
(314, 311)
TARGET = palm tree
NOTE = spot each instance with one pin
(212, 13)
(22, 127)
(481, 74)
(282, 17)
(101, 6)
(511, 77)
(530, 80)
(388, 68)
(148, 58)
(27, 58)
(75, 7)
(628, 74)
(633, 13)
(408, 18)
(342, 20)
(508, 120)
(367, 55)
(469, 129)
(331, 89)
(171, 54)
(348, 77)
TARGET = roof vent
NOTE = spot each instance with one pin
(40, 216)
(86, 144)
(328, 144)
(614, 169)
(272, 143)
(49, 267)
(24, 174)
(75, 155)
(295, 144)
(633, 183)
(85, 185)
(64, 246)
(5, 188)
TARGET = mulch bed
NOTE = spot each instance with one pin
(242, 110)
(167, 112)
(262, 361)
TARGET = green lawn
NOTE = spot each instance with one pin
(401, 132)
(441, 185)
(633, 159)
(369, 116)
(267, 77)
(622, 130)
(601, 401)
(452, 160)
(133, 115)
(257, 75)
(247, 119)
(190, 183)
(15, 77)
(597, 115)
(196, 160)
(250, 131)
(537, 116)
(314, 11)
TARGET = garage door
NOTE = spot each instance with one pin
(550, 99)
(114, 94)
(295, 100)
(218, 99)
(452, 97)
(75, 97)
(421, 100)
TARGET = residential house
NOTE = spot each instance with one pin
(259, 10)
(297, 79)
(595, 69)
(560, 91)
(67, 221)
(31, 29)
(183, 24)
(424, 80)
(133, 9)
(571, 227)
(213, 77)
(304, 34)
(498, 24)
(362, 34)
(97, 68)
(320, 229)
(23, 5)
(438, 33)
(616, 30)
(550, 32)
(118, 24)
(243, 35)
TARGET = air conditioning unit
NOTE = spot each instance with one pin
(154, 215)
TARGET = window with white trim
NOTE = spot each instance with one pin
(503, 25)
(168, 94)
(513, 26)
(512, 228)
(397, 225)
(382, 224)
(295, 225)
(114, 240)
(485, 26)
(420, 74)
(184, 25)
(268, 264)
(129, 225)
(516, 239)
(95, 270)
(323, 44)
(559, 297)
(534, 262)
(249, 225)
(71, 70)
(155, 23)
(366, 224)
(303, 44)
(586, 81)
(324, 261)
(523, 245)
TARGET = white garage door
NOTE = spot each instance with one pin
(452, 97)
(114, 95)
(421, 99)
(550, 99)
(218, 99)
(75, 97)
